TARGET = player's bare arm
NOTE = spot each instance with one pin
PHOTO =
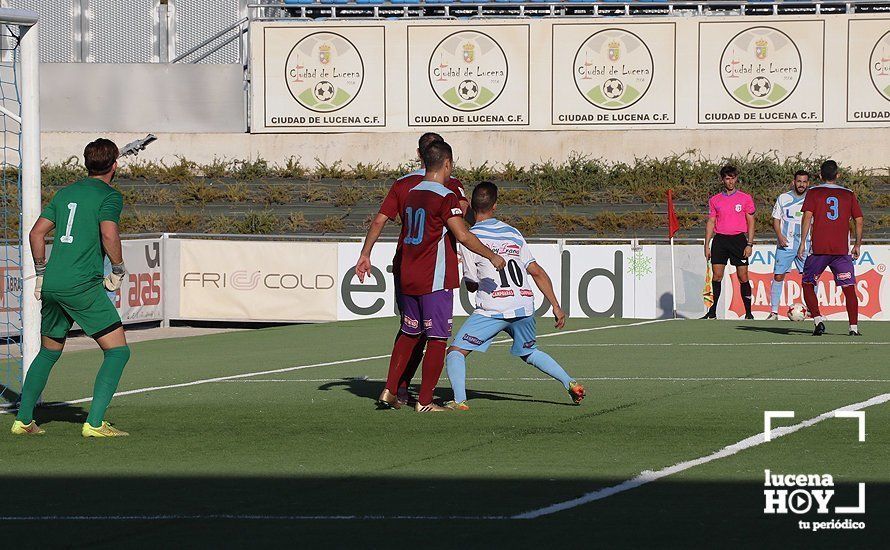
(749, 218)
(111, 243)
(781, 241)
(457, 227)
(37, 238)
(804, 231)
(709, 234)
(858, 242)
(363, 266)
(545, 285)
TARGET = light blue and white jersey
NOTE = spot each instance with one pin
(502, 294)
(788, 210)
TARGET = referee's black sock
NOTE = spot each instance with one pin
(745, 289)
(716, 286)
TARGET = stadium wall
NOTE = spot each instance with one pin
(853, 147)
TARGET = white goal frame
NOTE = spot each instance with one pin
(29, 145)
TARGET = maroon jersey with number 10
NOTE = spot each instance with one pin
(429, 250)
(833, 207)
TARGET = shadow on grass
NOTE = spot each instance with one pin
(48, 411)
(371, 389)
(354, 512)
(773, 330)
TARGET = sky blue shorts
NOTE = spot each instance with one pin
(477, 333)
(785, 258)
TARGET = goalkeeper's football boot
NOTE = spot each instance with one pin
(105, 430)
(388, 400)
(431, 408)
(455, 406)
(20, 428)
(577, 392)
(819, 330)
(773, 316)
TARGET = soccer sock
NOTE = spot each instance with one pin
(106, 383)
(548, 365)
(35, 382)
(852, 305)
(401, 352)
(413, 364)
(456, 364)
(812, 302)
(717, 286)
(433, 363)
(745, 290)
(775, 295)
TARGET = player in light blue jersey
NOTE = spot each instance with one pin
(787, 217)
(504, 301)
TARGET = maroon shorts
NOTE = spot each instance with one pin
(428, 314)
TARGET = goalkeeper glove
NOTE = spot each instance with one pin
(113, 280)
(40, 269)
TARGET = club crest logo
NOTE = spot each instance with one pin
(613, 69)
(468, 70)
(760, 67)
(324, 72)
(879, 66)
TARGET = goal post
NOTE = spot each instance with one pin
(20, 114)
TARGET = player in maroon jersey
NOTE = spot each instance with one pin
(428, 275)
(390, 209)
(828, 209)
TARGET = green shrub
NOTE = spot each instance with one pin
(296, 222)
(271, 193)
(292, 169)
(330, 224)
(348, 196)
(247, 170)
(221, 224)
(259, 223)
(63, 173)
(236, 192)
(200, 192)
(181, 172)
(217, 169)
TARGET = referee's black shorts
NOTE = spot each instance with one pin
(729, 249)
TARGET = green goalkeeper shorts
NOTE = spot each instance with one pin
(91, 309)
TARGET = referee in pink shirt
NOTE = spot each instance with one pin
(731, 226)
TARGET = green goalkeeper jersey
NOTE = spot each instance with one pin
(77, 259)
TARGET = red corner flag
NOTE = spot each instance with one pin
(673, 224)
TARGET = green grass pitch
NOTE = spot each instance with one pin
(302, 457)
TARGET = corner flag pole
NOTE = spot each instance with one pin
(673, 227)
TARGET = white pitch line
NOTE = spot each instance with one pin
(291, 369)
(649, 476)
(681, 344)
(589, 378)
(591, 329)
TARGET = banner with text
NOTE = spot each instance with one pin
(141, 295)
(257, 281)
(871, 288)
(555, 74)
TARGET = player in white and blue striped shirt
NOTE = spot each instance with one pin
(504, 300)
(787, 217)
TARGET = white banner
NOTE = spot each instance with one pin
(868, 70)
(761, 72)
(871, 287)
(141, 295)
(321, 77)
(557, 74)
(605, 75)
(475, 75)
(609, 281)
(258, 281)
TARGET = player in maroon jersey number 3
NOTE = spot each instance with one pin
(828, 209)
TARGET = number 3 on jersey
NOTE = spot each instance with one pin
(832, 203)
(67, 237)
(415, 221)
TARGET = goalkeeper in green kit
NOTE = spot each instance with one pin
(72, 288)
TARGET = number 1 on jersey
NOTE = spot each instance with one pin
(67, 237)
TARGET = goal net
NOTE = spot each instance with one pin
(20, 201)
